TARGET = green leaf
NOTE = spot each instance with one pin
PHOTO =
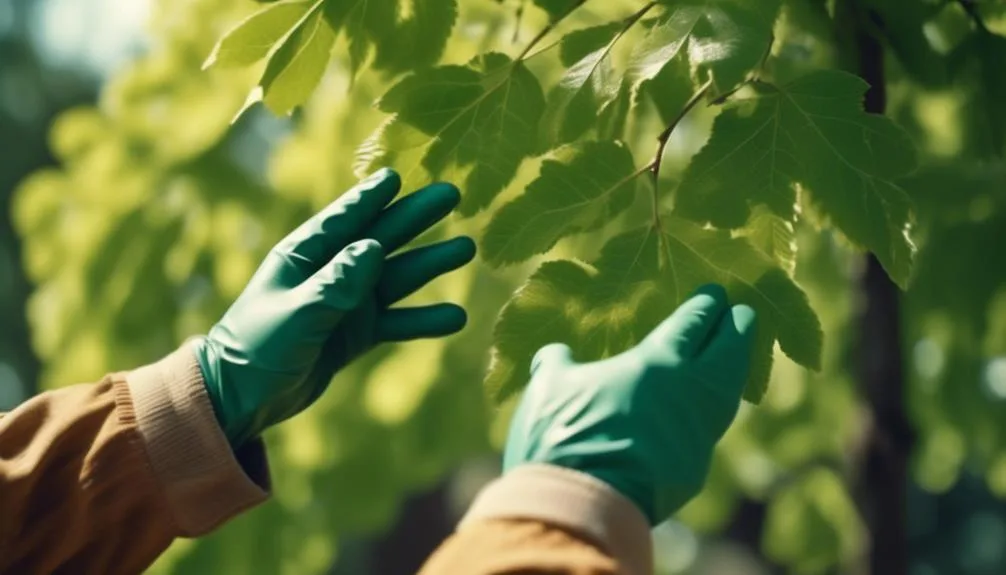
(639, 279)
(366, 23)
(580, 188)
(812, 133)
(418, 40)
(557, 8)
(255, 36)
(773, 236)
(299, 64)
(723, 39)
(473, 125)
(589, 84)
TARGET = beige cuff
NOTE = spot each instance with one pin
(574, 501)
(205, 482)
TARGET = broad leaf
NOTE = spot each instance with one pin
(298, 65)
(366, 23)
(419, 39)
(639, 278)
(579, 189)
(255, 36)
(773, 236)
(589, 85)
(723, 39)
(473, 125)
(812, 133)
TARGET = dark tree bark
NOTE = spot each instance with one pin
(882, 488)
(423, 523)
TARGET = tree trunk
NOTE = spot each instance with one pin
(883, 481)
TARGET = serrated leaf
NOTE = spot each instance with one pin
(295, 69)
(580, 188)
(365, 22)
(723, 40)
(473, 124)
(419, 39)
(589, 84)
(639, 278)
(773, 236)
(812, 133)
(669, 90)
(253, 38)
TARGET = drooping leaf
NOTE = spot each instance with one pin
(590, 83)
(812, 133)
(639, 279)
(580, 188)
(298, 65)
(723, 39)
(557, 8)
(366, 23)
(419, 39)
(255, 36)
(473, 124)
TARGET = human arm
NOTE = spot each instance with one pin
(102, 477)
(598, 453)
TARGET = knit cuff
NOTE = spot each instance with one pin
(205, 481)
(570, 500)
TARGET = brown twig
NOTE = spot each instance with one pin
(662, 144)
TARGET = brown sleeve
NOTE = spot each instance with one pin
(100, 478)
(541, 519)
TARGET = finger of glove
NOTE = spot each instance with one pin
(553, 355)
(410, 271)
(729, 348)
(688, 329)
(408, 323)
(317, 240)
(409, 217)
(349, 277)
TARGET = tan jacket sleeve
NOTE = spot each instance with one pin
(541, 519)
(100, 478)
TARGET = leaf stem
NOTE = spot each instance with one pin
(545, 31)
(662, 144)
(972, 10)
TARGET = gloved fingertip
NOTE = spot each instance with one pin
(745, 319)
(552, 354)
(466, 248)
(382, 177)
(715, 291)
(444, 193)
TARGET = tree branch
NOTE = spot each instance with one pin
(545, 31)
(662, 144)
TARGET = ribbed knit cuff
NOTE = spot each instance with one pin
(205, 481)
(570, 500)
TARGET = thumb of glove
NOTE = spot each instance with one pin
(553, 355)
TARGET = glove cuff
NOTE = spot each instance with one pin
(570, 500)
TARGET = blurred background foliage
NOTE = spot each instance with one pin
(140, 213)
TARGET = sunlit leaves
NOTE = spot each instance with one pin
(578, 189)
(723, 39)
(639, 278)
(589, 84)
(473, 124)
(812, 133)
(254, 37)
(298, 36)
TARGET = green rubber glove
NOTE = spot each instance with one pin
(321, 298)
(645, 422)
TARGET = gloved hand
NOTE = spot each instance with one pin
(320, 299)
(646, 421)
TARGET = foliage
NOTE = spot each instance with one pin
(640, 148)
